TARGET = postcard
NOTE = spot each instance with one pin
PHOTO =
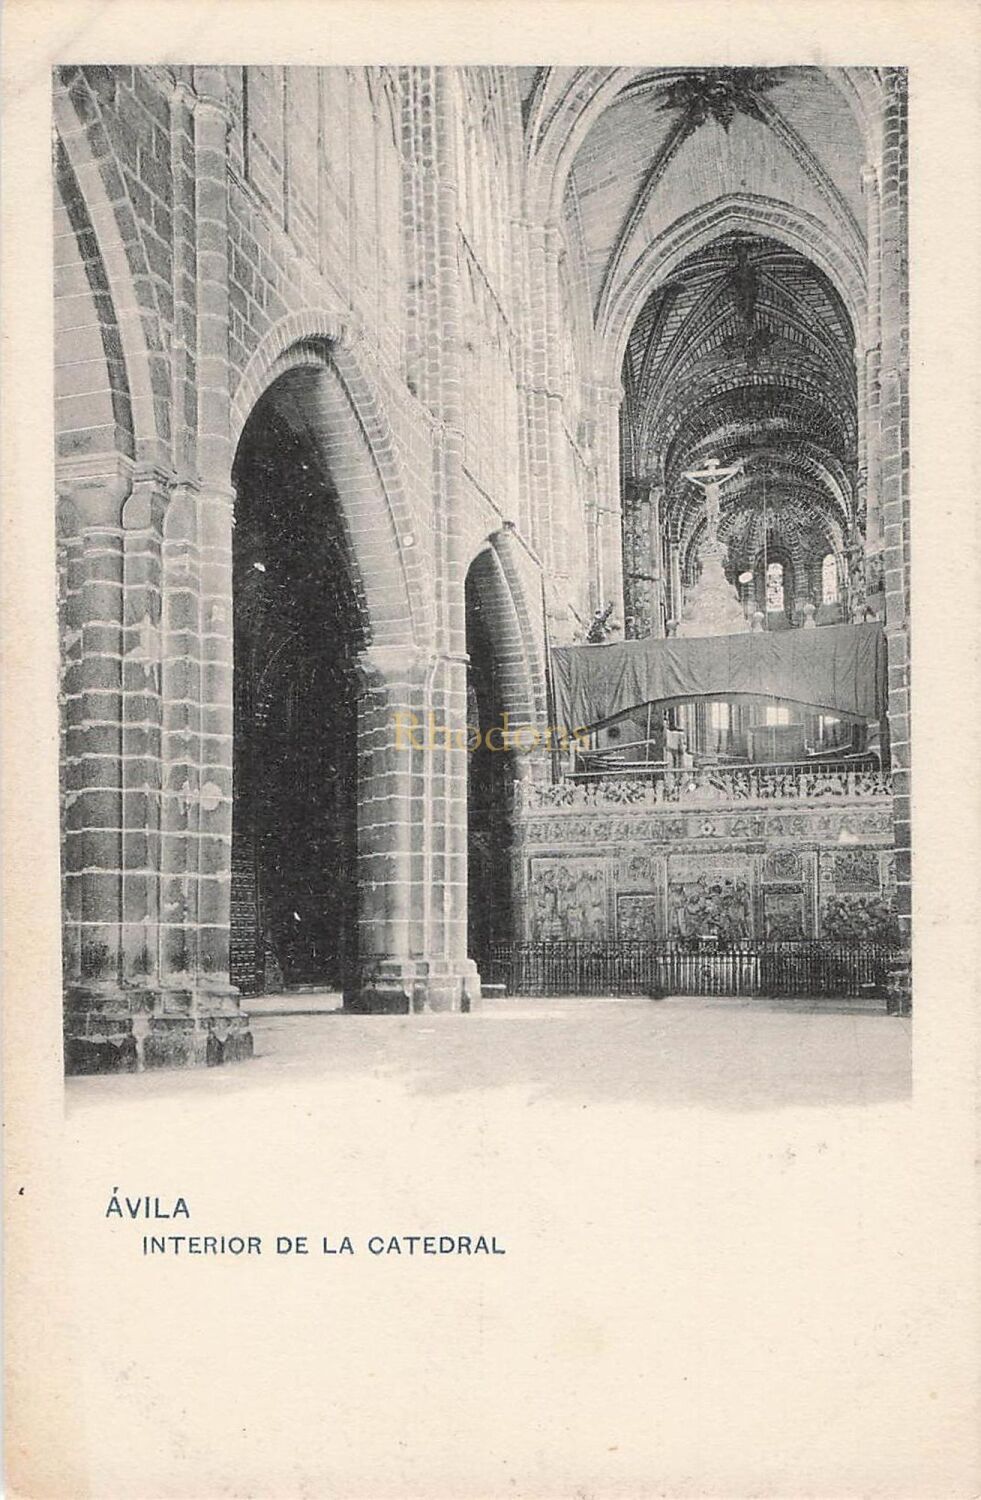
(490, 779)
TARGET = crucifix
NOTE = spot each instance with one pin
(711, 479)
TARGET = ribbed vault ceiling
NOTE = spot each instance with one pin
(672, 139)
(746, 353)
(744, 348)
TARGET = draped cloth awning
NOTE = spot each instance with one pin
(836, 668)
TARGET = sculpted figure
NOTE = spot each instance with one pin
(692, 909)
(600, 628)
(597, 908)
(711, 479)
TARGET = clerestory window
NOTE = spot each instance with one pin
(829, 580)
(774, 586)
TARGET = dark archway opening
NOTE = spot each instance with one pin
(299, 626)
(490, 785)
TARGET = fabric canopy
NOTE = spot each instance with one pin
(838, 668)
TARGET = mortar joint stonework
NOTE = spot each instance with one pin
(372, 390)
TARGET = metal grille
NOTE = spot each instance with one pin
(680, 968)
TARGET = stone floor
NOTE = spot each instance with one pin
(725, 1053)
(711, 1281)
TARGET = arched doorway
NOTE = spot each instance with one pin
(299, 627)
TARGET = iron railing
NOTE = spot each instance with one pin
(682, 967)
(626, 760)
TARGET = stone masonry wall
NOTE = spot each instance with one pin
(362, 235)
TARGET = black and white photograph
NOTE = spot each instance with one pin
(484, 548)
(489, 847)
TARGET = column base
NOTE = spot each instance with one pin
(396, 986)
(899, 985)
(118, 1031)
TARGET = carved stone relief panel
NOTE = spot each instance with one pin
(689, 864)
(637, 917)
(523, 904)
(676, 860)
(710, 894)
(854, 917)
(568, 898)
(784, 914)
(792, 873)
(858, 895)
(592, 827)
(640, 870)
(826, 871)
(856, 870)
(784, 867)
(641, 894)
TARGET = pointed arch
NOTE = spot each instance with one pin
(565, 104)
(96, 173)
(493, 576)
(93, 408)
(337, 403)
(747, 214)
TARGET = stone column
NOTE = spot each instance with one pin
(146, 930)
(609, 512)
(201, 1019)
(560, 535)
(450, 976)
(99, 1014)
(412, 834)
(392, 823)
(193, 1014)
(412, 795)
(147, 613)
(142, 518)
(549, 478)
(868, 497)
(536, 398)
(636, 539)
(656, 557)
(677, 598)
(643, 579)
(894, 484)
(518, 393)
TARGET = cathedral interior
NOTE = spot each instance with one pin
(483, 536)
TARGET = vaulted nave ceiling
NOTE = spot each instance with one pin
(715, 225)
(631, 152)
(746, 353)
